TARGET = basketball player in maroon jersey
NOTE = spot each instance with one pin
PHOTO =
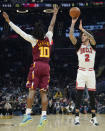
(39, 73)
(86, 50)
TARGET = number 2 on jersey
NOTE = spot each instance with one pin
(44, 52)
(87, 58)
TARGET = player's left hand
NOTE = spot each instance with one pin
(56, 10)
(80, 25)
(6, 17)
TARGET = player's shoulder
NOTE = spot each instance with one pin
(34, 40)
(49, 33)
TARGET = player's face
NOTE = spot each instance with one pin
(84, 38)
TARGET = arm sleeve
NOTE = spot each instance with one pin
(93, 46)
(78, 44)
(26, 36)
(49, 34)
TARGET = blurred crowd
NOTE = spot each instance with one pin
(13, 95)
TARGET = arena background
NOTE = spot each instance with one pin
(16, 55)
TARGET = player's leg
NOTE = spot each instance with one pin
(31, 84)
(93, 110)
(44, 100)
(91, 85)
(44, 73)
(77, 106)
(80, 85)
(30, 99)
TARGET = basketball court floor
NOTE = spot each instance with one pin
(55, 123)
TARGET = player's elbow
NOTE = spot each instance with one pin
(73, 40)
(71, 37)
(93, 42)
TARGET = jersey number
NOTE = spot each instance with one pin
(44, 52)
(87, 58)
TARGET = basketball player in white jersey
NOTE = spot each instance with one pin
(86, 51)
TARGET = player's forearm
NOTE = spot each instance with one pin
(88, 34)
(52, 23)
(20, 32)
(15, 28)
(91, 38)
(71, 35)
(71, 29)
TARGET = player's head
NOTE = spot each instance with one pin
(39, 31)
(84, 37)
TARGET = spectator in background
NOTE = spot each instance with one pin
(57, 106)
(58, 94)
(7, 109)
(50, 106)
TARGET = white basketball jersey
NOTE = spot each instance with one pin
(86, 56)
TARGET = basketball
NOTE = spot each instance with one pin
(74, 12)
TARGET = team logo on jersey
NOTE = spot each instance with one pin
(86, 50)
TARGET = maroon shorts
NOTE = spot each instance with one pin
(39, 75)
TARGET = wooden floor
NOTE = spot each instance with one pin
(55, 123)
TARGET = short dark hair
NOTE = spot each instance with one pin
(39, 31)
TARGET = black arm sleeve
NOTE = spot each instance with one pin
(93, 46)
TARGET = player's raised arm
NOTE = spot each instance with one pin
(52, 23)
(26, 36)
(91, 38)
(71, 33)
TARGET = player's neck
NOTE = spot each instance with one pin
(86, 43)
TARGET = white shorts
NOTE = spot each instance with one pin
(86, 78)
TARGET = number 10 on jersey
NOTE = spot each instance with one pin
(44, 52)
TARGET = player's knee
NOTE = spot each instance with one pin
(92, 99)
(31, 93)
(44, 97)
(43, 92)
(92, 95)
(78, 98)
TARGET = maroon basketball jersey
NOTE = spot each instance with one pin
(41, 51)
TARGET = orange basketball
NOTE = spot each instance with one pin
(74, 12)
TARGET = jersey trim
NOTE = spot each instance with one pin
(91, 89)
(84, 69)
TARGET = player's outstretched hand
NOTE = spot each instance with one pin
(6, 17)
(56, 10)
(74, 20)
